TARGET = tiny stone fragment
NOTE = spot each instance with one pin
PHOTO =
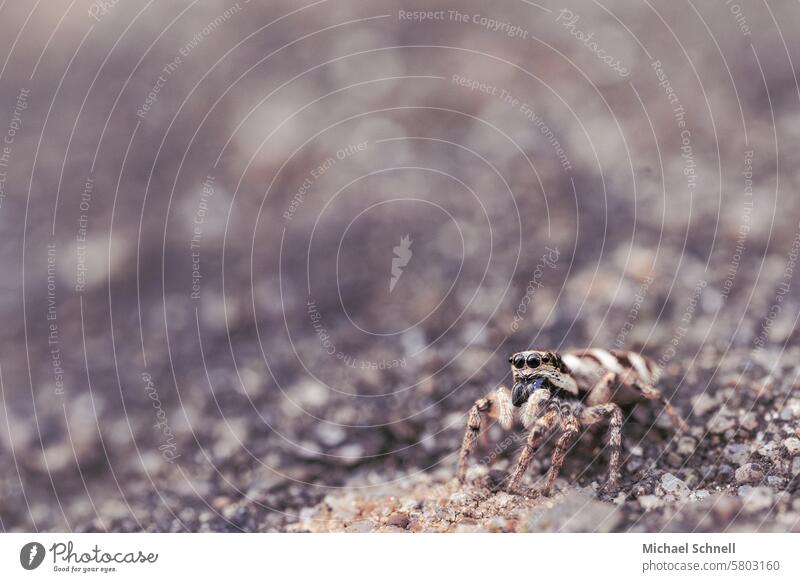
(792, 445)
(756, 498)
(749, 473)
(650, 502)
(671, 485)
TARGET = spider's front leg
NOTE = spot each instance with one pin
(497, 405)
(595, 414)
(571, 430)
(541, 427)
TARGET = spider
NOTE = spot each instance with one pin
(566, 392)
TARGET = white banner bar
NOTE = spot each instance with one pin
(400, 557)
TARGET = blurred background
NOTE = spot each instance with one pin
(256, 252)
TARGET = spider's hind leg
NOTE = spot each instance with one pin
(651, 393)
(497, 405)
(595, 414)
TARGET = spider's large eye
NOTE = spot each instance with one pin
(519, 361)
(533, 360)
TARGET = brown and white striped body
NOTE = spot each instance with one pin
(589, 367)
(566, 392)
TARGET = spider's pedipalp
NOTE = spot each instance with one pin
(502, 408)
(534, 407)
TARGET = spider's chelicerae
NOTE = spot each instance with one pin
(566, 392)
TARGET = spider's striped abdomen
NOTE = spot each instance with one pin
(588, 367)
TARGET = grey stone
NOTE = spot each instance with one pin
(362, 526)
(575, 512)
(721, 422)
(791, 409)
(775, 481)
(399, 520)
(737, 453)
(330, 434)
(686, 445)
(749, 421)
(756, 498)
(749, 473)
(650, 502)
(792, 445)
(671, 485)
(770, 450)
(703, 403)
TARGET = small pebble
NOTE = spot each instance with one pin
(725, 473)
(703, 403)
(362, 526)
(737, 453)
(749, 422)
(220, 502)
(769, 450)
(650, 502)
(792, 446)
(674, 460)
(686, 445)
(775, 481)
(792, 409)
(499, 524)
(330, 434)
(720, 422)
(400, 520)
(671, 485)
(749, 473)
(726, 508)
(756, 498)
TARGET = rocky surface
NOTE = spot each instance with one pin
(738, 469)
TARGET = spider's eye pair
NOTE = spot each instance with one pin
(519, 361)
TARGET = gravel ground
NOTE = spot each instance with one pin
(204, 206)
(736, 470)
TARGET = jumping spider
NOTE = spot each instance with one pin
(566, 392)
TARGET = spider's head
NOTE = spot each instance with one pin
(534, 370)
